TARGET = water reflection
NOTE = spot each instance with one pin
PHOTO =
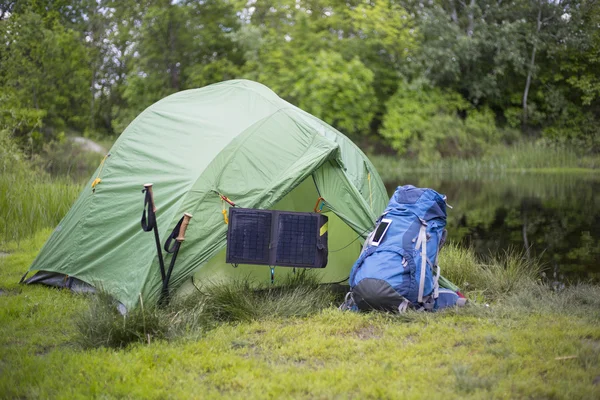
(553, 216)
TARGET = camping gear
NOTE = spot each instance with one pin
(178, 235)
(149, 224)
(397, 268)
(277, 238)
(236, 140)
(449, 298)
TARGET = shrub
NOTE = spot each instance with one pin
(65, 158)
(12, 159)
(430, 124)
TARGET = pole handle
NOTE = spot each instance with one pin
(184, 225)
(148, 187)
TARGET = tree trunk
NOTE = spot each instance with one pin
(93, 100)
(471, 26)
(172, 63)
(531, 66)
(453, 14)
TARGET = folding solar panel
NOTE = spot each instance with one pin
(277, 238)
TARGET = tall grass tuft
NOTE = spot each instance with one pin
(461, 267)
(236, 301)
(510, 271)
(103, 326)
(298, 295)
(492, 277)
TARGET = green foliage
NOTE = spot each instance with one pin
(338, 92)
(12, 159)
(94, 66)
(43, 76)
(179, 46)
(427, 124)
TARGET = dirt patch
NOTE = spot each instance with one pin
(591, 342)
(43, 350)
(9, 292)
(3, 254)
(368, 332)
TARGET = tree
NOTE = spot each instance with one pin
(44, 75)
(429, 123)
(178, 46)
(339, 92)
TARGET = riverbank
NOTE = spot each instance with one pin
(514, 344)
(524, 157)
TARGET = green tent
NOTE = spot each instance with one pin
(237, 139)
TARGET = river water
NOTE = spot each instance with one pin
(555, 217)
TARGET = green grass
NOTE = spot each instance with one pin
(520, 157)
(492, 278)
(30, 202)
(237, 301)
(530, 342)
(30, 198)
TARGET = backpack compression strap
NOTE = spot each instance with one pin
(422, 243)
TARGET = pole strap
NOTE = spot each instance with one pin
(148, 215)
(169, 246)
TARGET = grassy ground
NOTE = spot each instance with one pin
(529, 343)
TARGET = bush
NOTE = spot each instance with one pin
(339, 92)
(66, 158)
(12, 159)
(430, 124)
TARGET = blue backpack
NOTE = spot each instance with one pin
(397, 268)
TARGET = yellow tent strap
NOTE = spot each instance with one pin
(224, 211)
(98, 180)
(370, 191)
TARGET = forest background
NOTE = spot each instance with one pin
(427, 80)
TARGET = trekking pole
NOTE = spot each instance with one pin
(149, 223)
(179, 235)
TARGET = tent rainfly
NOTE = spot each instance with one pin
(235, 138)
